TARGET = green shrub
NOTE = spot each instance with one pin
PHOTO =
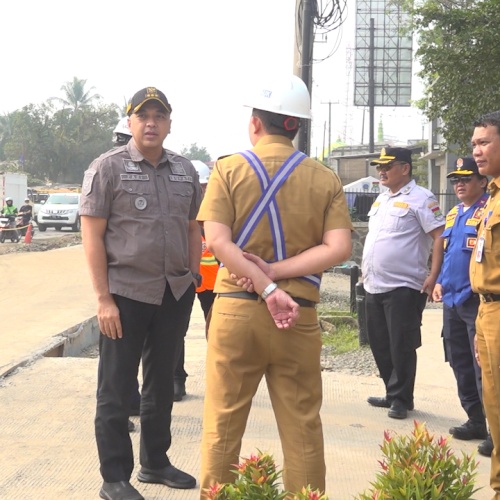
(258, 479)
(420, 467)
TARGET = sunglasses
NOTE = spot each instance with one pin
(385, 168)
(464, 178)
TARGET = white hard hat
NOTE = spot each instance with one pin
(122, 127)
(8, 199)
(286, 96)
(203, 171)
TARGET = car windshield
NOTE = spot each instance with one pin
(61, 199)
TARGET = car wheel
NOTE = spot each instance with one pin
(76, 227)
(42, 228)
(2, 237)
(58, 228)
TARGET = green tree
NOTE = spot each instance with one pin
(58, 145)
(196, 153)
(76, 95)
(459, 51)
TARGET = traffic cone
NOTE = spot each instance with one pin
(28, 237)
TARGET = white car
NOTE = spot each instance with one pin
(60, 210)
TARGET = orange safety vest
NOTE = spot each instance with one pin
(208, 268)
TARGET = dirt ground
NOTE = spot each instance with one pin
(42, 242)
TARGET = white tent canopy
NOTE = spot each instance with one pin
(364, 185)
(361, 194)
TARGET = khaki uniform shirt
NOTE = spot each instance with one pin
(485, 275)
(310, 202)
(397, 246)
(148, 210)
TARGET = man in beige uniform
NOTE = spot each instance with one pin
(485, 280)
(289, 212)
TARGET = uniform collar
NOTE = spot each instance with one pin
(137, 156)
(494, 185)
(273, 139)
(406, 189)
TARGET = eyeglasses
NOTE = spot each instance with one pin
(385, 168)
(464, 178)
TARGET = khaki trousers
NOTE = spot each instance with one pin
(488, 342)
(243, 346)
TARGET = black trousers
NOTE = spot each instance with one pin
(459, 329)
(393, 327)
(206, 299)
(155, 332)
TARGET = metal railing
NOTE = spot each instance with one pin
(359, 203)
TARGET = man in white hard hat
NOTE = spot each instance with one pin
(279, 219)
(121, 133)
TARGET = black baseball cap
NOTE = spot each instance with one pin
(464, 166)
(389, 155)
(145, 95)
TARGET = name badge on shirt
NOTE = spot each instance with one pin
(131, 166)
(177, 168)
(181, 178)
(472, 222)
(479, 249)
(134, 177)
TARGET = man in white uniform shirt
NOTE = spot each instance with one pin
(405, 223)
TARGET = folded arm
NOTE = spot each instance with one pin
(219, 241)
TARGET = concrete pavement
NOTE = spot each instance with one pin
(47, 403)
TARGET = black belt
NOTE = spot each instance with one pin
(254, 296)
(489, 297)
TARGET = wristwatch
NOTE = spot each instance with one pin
(268, 290)
(198, 277)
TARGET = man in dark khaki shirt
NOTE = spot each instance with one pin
(142, 243)
(485, 280)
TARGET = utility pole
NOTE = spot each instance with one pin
(306, 68)
(329, 128)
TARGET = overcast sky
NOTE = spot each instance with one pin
(202, 54)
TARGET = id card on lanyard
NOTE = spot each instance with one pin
(480, 240)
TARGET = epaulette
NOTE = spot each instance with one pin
(173, 153)
(226, 156)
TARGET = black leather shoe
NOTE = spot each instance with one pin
(379, 402)
(486, 447)
(131, 426)
(170, 476)
(179, 391)
(398, 410)
(470, 430)
(122, 490)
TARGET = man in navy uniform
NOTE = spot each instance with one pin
(460, 304)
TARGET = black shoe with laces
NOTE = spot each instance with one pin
(472, 429)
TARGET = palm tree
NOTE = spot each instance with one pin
(77, 96)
